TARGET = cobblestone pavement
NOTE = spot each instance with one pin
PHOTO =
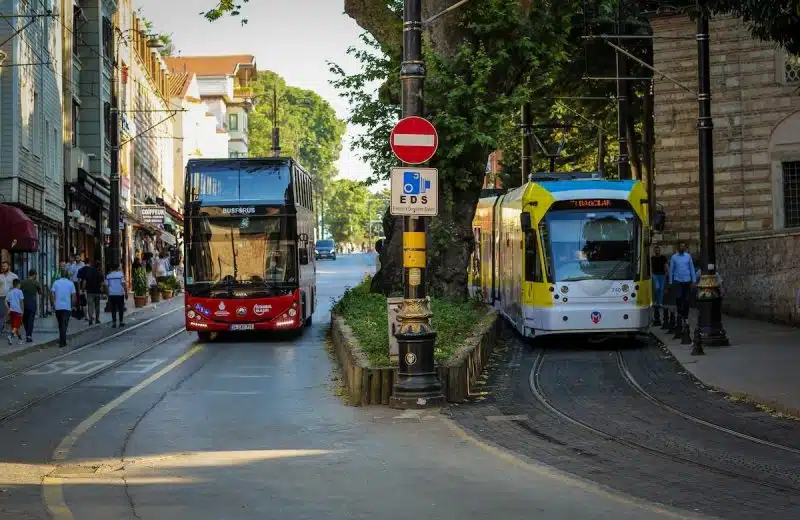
(634, 420)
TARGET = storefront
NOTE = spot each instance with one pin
(86, 218)
(23, 242)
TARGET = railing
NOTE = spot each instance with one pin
(243, 92)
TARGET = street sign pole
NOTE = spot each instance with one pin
(417, 383)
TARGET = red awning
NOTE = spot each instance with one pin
(17, 231)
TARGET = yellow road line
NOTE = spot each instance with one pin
(569, 480)
(53, 491)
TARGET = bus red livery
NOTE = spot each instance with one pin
(246, 237)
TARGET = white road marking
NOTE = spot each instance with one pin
(52, 368)
(142, 366)
(245, 376)
(88, 367)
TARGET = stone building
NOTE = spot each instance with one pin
(756, 111)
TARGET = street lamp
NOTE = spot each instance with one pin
(709, 331)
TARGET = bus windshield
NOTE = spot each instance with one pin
(240, 182)
(241, 251)
(596, 245)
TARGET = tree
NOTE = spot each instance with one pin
(310, 131)
(483, 60)
(348, 218)
(225, 8)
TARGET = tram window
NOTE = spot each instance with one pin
(533, 269)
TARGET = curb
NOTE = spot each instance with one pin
(764, 405)
(368, 385)
(10, 356)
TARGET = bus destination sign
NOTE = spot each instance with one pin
(592, 203)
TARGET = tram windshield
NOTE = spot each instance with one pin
(593, 245)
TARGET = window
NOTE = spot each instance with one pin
(533, 268)
(792, 69)
(48, 135)
(37, 126)
(76, 16)
(107, 120)
(791, 194)
(55, 156)
(108, 39)
(233, 121)
(76, 116)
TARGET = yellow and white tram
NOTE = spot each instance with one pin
(565, 254)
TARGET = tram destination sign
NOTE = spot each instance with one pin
(151, 214)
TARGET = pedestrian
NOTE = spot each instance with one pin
(658, 269)
(6, 284)
(117, 294)
(74, 272)
(682, 278)
(14, 304)
(92, 281)
(31, 290)
(63, 295)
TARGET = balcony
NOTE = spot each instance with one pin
(79, 161)
(243, 92)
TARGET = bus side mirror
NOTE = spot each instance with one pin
(303, 256)
(659, 220)
(525, 221)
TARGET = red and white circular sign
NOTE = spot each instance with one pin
(414, 140)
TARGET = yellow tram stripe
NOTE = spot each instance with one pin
(413, 240)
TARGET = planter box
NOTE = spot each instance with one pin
(139, 301)
(367, 385)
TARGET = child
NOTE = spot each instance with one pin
(15, 301)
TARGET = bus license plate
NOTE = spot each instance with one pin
(242, 326)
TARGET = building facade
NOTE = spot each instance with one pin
(756, 111)
(152, 218)
(225, 85)
(31, 157)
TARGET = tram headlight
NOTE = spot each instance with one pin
(564, 289)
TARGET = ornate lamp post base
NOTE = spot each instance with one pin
(417, 385)
(709, 331)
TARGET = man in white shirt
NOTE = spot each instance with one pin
(64, 298)
(6, 284)
(117, 294)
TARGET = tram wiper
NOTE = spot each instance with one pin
(614, 269)
(577, 279)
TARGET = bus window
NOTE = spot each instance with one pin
(533, 269)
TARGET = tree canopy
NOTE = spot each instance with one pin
(310, 131)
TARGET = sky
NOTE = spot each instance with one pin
(295, 38)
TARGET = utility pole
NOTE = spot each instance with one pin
(114, 206)
(276, 131)
(709, 331)
(526, 142)
(417, 384)
(623, 168)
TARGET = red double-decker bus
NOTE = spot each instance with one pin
(248, 230)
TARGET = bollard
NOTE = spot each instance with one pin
(665, 325)
(678, 332)
(686, 337)
(657, 317)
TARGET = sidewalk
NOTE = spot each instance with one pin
(761, 363)
(45, 330)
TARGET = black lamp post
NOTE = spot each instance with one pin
(709, 331)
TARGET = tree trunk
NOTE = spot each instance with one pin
(634, 145)
(648, 138)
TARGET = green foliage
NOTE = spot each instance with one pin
(169, 284)
(366, 314)
(168, 48)
(348, 215)
(310, 131)
(225, 8)
(140, 287)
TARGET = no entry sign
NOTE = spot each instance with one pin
(414, 140)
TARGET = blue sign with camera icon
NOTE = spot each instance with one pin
(415, 191)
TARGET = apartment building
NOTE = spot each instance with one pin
(225, 85)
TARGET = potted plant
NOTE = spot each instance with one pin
(155, 293)
(168, 287)
(140, 287)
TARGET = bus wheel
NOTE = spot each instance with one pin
(204, 336)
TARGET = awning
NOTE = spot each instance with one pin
(17, 231)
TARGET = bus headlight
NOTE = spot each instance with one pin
(191, 315)
(292, 313)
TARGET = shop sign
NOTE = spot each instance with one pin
(153, 215)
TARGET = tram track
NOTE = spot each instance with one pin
(15, 411)
(542, 398)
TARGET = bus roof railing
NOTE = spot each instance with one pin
(564, 176)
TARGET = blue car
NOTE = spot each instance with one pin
(325, 249)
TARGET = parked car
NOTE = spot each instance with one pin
(325, 249)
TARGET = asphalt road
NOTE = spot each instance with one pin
(154, 425)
